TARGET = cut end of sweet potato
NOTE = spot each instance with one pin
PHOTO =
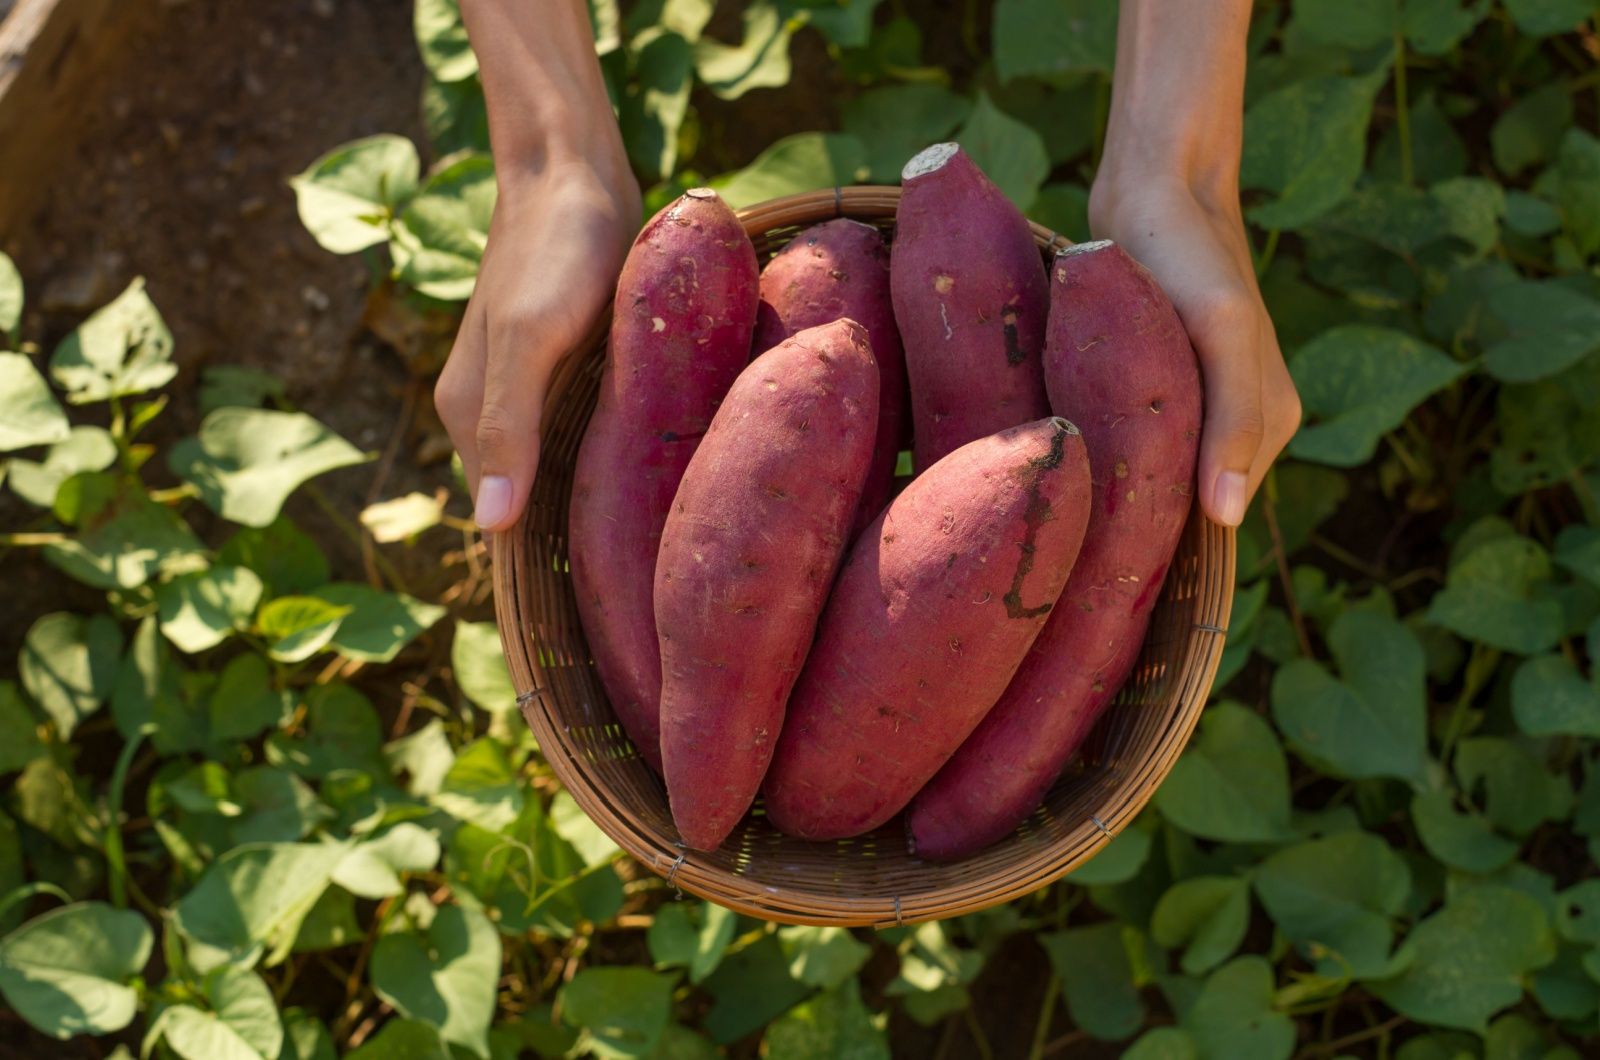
(700, 193)
(1064, 426)
(928, 160)
(1090, 247)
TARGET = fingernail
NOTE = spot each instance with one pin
(1228, 495)
(494, 500)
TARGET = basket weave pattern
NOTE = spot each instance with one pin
(870, 880)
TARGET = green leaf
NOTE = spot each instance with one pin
(1010, 153)
(1472, 210)
(199, 610)
(1550, 698)
(1548, 432)
(250, 901)
(1543, 18)
(442, 40)
(402, 518)
(147, 690)
(222, 385)
(348, 197)
(29, 413)
(652, 113)
(1578, 914)
(1119, 860)
(10, 300)
(376, 624)
(66, 972)
(330, 924)
(1233, 1015)
(141, 539)
(1563, 989)
(897, 121)
(760, 60)
(19, 734)
(1050, 38)
(1531, 129)
(822, 956)
(68, 665)
(1357, 382)
(622, 1011)
(123, 349)
(246, 462)
(478, 662)
(481, 787)
(802, 162)
(572, 824)
(1433, 27)
(694, 939)
(1373, 721)
(1232, 784)
(342, 732)
(1578, 189)
(1467, 961)
(1354, 24)
(372, 868)
(750, 989)
(1207, 915)
(241, 1024)
(402, 1039)
(1163, 1043)
(306, 1037)
(1461, 839)
(297, 627)
(275, 807)
(1437, 150)
(1340, 892)
(1497, 594)
(1063, 208)
(833, 1023)
(441, 235)
(1519, 794)
(424, 756)
(1306, 143)
(1551, 327)
(456, 116)
(84, 449)
(287, 560)
(1096, 973)
(244, 701)
(445, 977)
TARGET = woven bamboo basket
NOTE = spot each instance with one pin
(870, 880)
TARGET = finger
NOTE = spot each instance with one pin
(507, 435)
(458, 393)
(1227, 337)
(1280, 410)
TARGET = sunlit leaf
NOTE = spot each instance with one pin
(802, 162)
(123, 349)
(68, 665)
(348, 197)
(445, 976)
(29, 413)
(66, 972)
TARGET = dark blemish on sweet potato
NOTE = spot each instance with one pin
(888, 539)
(777, 493)
(1015, 354)
(950, 561)
(1156, 406)
(1036, 515)
(1120, 469)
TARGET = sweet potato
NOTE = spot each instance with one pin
(938, 603)
(747, 555)
(680, 334)
(970, 299)
(836, 270)
(1117, 361)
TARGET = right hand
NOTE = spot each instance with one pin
(556, 243)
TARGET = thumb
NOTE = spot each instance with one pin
(1227, 343)
(507, 436)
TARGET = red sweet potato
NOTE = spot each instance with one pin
(1117, 361)
(836, 270)
(680, 334)
(935, 608)
(970, 299)
(748, 553)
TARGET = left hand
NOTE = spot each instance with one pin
(1196, 248)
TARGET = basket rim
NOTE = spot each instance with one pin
(1135, 781)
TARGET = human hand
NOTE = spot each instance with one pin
(1195, 246)
(556, 243)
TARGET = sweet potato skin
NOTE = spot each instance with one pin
(747, 555)
(840, 270)
(680, 334)
(935, 607)
(1117, 361)
(970, 299)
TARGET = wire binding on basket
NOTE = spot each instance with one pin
(759, 871)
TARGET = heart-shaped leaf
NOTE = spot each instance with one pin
(29, 413)
(123, 349)
(1232, 783)
(372, 868)
(246, 462)
(1550, 698)
(250, 901)
(376, 625)
(66, 972)
(85, 449)
(69, 665)
(1519, 793)
(1306, 143)
(1051, 38)
(1096, 973)
(1207, 915)
(1578, 189)
(1341, 892)
(1462, 839)
(822, 956)
(240, 1023)
(695, 940)
(200, 610)
(759, 60)
(445, 977)
(1551, 327)
(441, 235)
(802, 162)
(1233, 1015)
(442, 40)
(342, 733)
(1010, 153)
(481, 787)
(479, 663)
(832, 1023)
(897, 121)
(1497, 593)
(297, 627)
(622, 1011)
(348, 197)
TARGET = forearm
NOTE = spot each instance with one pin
(1177, 98)
(546, 97)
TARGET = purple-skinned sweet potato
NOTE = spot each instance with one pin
(970, 299)
(936, 606)
(747, 555)
(680, 334)
(840, 270)
(1118, 362)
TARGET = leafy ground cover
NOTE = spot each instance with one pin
(260, 805)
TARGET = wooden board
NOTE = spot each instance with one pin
(54, 54)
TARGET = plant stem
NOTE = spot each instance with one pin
(1269, 511)
(1047, 1008)
(979, 1039)
(116, 861)
(354, 533)
(969, 29)
(1480, 667)
(1402, 109)
(28, 890)
(1265, 258)
(33, 540)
